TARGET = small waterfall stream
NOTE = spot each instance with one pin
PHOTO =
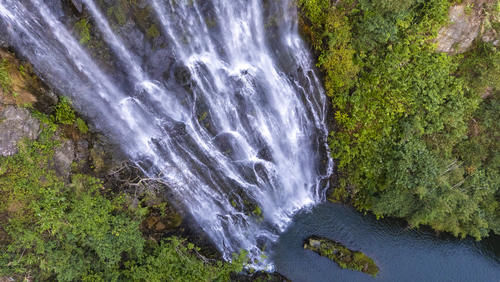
(223, 103)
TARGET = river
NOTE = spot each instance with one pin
(402, 254)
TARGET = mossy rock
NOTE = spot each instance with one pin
(340, 254)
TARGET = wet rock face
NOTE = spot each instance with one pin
(63, 158)
(78, 5)
(15, 125)
(3, 40)
(82, 154)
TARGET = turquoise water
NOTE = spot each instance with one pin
(402, 254)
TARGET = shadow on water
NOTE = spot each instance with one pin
(401, 253)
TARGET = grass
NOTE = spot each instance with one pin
(5, 79)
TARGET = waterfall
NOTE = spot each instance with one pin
(217, 97)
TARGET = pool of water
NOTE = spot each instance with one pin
(402, 254)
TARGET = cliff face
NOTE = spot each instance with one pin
(16, 122)
(21, 95)
(469, 20)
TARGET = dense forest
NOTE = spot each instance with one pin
(417, 132)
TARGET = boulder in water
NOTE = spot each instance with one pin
(340, 254)
(175, 129)
(265, 154)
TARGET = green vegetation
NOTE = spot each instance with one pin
(203, 116)
(5, 80)
(80, 231)
(257, 211)
(409, 121)
(82, 126)
(23, 71)
(153, 32)
(120, 9)
(344, 257)
(64, 113)
(118, 13)
(82, 27)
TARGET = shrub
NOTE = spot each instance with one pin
(73, 232)
(64, 114)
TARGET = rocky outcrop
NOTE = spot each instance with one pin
(468, 20)
(260, 276)
(15, 125)
(64, 156)
(340, 254)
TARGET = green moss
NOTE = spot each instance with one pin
(257, 211)
(5, 79)
(82, 28)
(344, 257)
(119, 12)
(23, 71)
(203, 116)
(82, 126)
(210, 22)
(152, 32)
(143, 17)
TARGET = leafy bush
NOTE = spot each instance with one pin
(72, 232)
(330, 34)
(64, 114)
(174, 260)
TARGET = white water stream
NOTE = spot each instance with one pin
(224, 104)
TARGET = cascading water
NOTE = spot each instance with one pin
(222, 102)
